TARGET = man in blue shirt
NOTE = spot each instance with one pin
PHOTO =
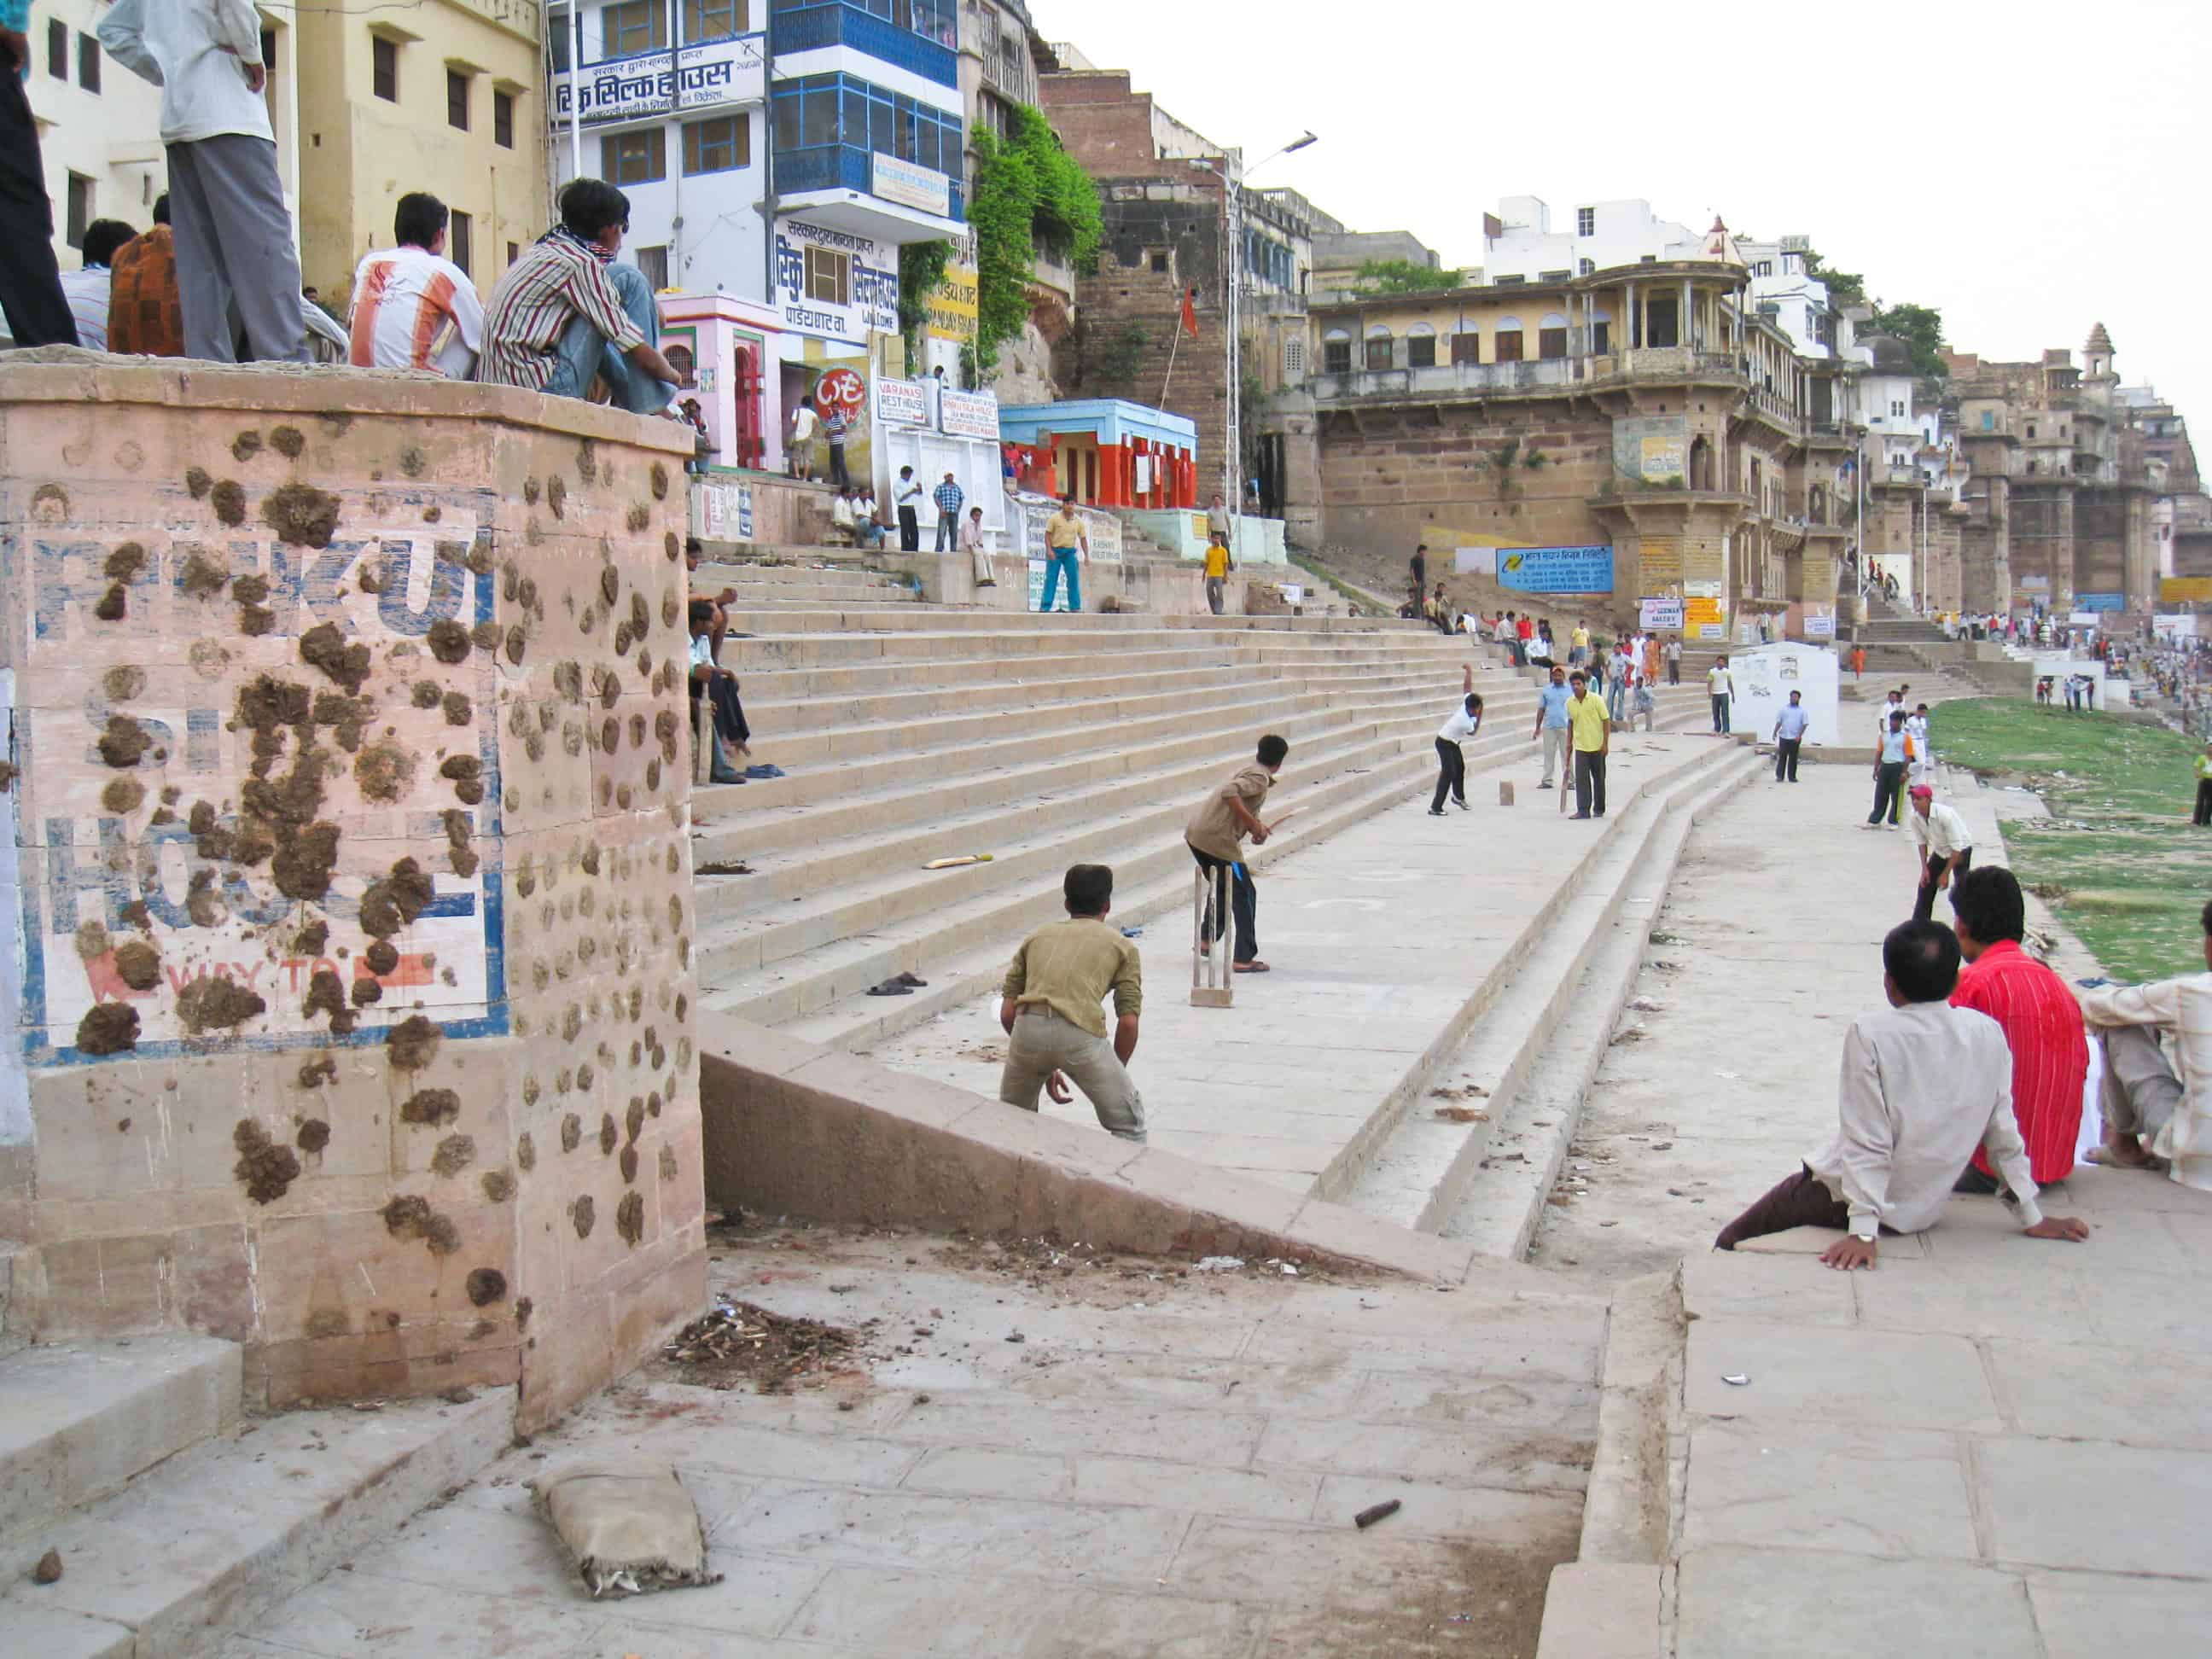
(1552, 723)
(1891, 761)
(949, 500)
(30, 279)
(1789, 737)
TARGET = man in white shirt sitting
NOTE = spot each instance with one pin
(2148, 1094)
(1944, 844)
(409, 296)
(1924, 1084)
(1789, 737)
(86, 289)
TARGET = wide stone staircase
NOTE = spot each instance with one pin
(910, 733)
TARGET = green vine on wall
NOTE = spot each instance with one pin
(1028, 189)
(922, 268)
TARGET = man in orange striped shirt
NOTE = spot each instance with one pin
(407, 296)
(2039, 1015)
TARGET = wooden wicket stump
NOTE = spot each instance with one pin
(1212, 977)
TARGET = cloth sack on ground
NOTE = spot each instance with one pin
(630, 1528)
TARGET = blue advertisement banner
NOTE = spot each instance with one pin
(2101, 601)
(1556, 569)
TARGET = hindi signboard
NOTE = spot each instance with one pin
(1556, 569)
(649, 83)
(912, 185)
(1663, 611)
(969, 415)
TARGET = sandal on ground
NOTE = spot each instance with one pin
(912, 982)
(2151, 1164)
(1252, 967)
(890, 987)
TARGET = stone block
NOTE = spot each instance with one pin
(1601, 1610)
(1856, 1376)
(1884, 1491)
(1741, 1603)
(2100, 1507)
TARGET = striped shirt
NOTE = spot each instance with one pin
(2042, 1023)
(86, 290)
(553, 282)
(403, 298)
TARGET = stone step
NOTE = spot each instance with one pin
(968, 955)
(1092, 755)
(79, 1419)
(775, 648)
(1410, 1167)
(193, 1551)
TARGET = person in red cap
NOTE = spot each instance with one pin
(1945, 846)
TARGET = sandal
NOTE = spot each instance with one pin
(1252, 967)
(2152, 1163)
(913, 983)
(890, 987)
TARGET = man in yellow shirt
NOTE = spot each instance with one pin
(1049, 1009)
(1219, 564)
(1593, 739)
(1064, 533)
(1578, 645)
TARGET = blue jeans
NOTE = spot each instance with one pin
(584, 352)
(1062, 556)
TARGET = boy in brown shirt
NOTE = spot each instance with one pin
(1231, 813)
(1049, 1008)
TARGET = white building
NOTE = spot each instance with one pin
(1594, 236)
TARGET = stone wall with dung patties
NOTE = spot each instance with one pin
(346, 869)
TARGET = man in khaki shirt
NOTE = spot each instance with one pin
(1231, 813)
(1049, 1007)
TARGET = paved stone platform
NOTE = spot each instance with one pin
(1164, 1462)
(1377, 939)
(1990, 1444)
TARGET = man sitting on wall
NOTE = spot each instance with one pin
(86, 289)
(407, 296)
(565, 313)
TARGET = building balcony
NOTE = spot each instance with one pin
(869, 195)
(1667, 363)
(1444, 381)
(809, 28)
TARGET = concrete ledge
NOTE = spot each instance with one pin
(1600, 1612)
(1625, 1511)
(795, 1129)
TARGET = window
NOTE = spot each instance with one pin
(634, 158)
(718, 145)
(88, 63)
(1552, 342)
(1764, 268)
(1587, 266)
(1897, 412)
(1602, 336)
(456, 99)
(383, 68)
(1160, 262)
(713, 20)
(1508, 344)
(817, 111)
(561, 34)
(514, 252)
(1294, 357)
(1382, 349)
(79, 210)
(461, 241)
(653, 263)
(58, 35)
(1420, 347)
(829, 276)
(1467, 347)
(1336, 355)
(1585, 221)
(1661, 324)
(639, 25)
(1988, 420)
(502, 120)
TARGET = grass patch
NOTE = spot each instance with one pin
(2118, 859)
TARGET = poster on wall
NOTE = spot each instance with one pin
(135, 926)
(722, 511)
(2101, 601)
(1556, 569)
(902, 402)
(834, 283)
(1653, 449)
(969, 415)
(1476, 561)
(1820, 625)
(1704, 614)
(1030, 513)
(1659, 614)
(954, 307)
(650, 83)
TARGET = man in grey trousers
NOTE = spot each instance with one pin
(237, 270)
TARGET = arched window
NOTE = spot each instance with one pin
(1508, 339)
(1381, 348)
(1466, 342)
(1336, 352)
(1551, 336)
(1420, 346)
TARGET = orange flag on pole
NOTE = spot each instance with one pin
(1190, 313)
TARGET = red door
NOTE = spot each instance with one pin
(746, 447)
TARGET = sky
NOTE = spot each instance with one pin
(2028, 169)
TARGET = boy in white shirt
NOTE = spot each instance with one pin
(1924, 757)
(407, 297)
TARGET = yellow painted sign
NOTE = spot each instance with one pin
(955, 307)
(2185, 590)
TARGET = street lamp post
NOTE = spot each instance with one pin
(1233, 460)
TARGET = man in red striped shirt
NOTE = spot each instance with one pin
(2040, 1018)
(409, 296)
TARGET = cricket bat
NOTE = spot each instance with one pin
(1285, 819)
(957, 864)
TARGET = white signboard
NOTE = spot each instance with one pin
(969, 414)
(722, 511)
(1663, 612)
(1476, 561)
(902, 402)
(1820, 625)
(912, 185)
(1765, 676)
(835, 284)
(653, 83)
